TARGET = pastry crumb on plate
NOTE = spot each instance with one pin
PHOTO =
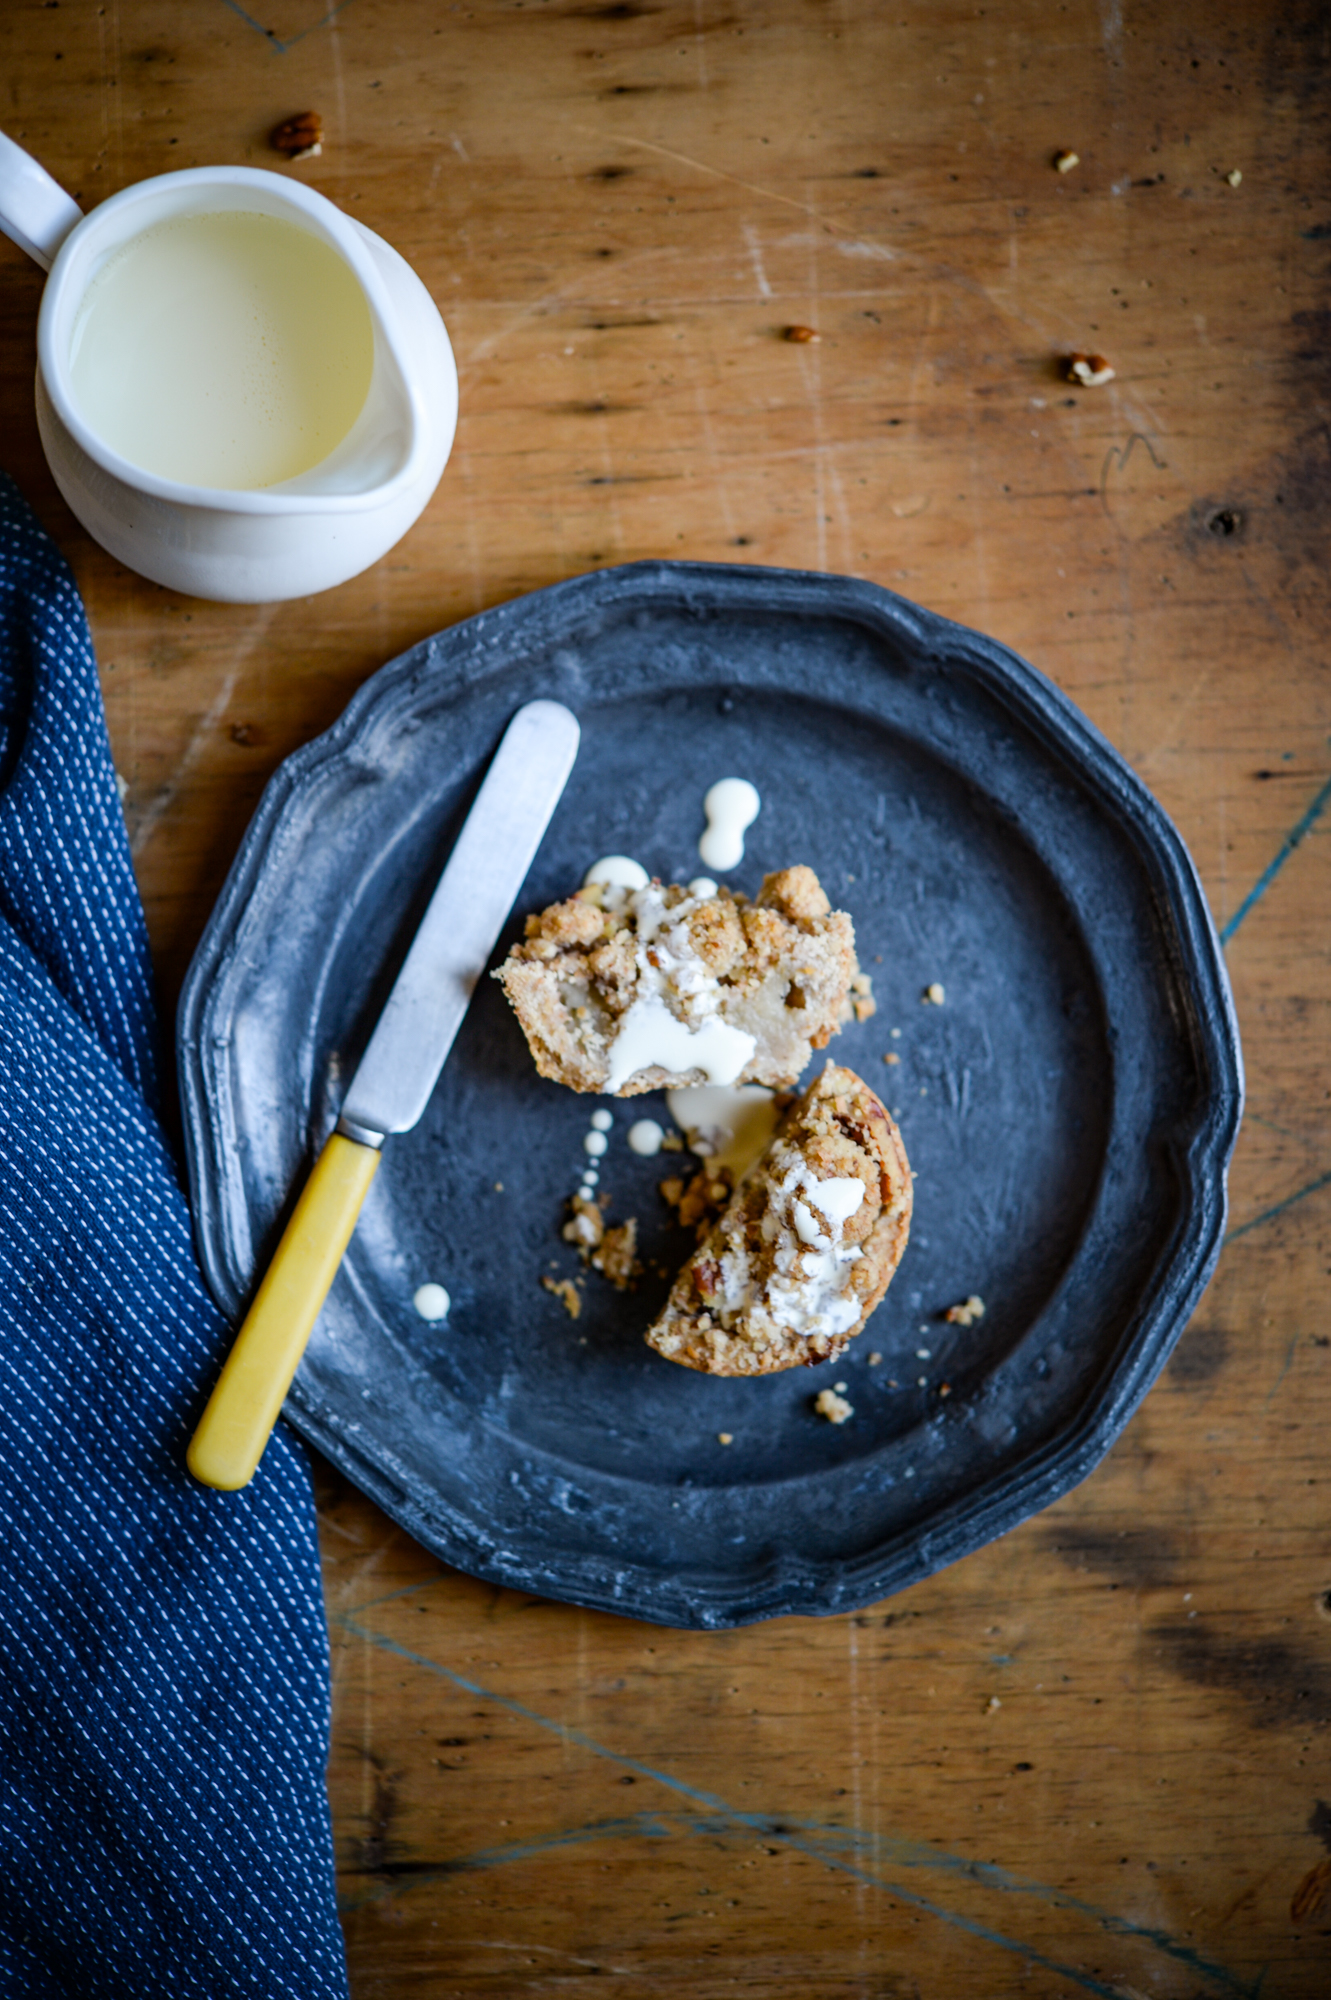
(835, 1408)
(566, 1292)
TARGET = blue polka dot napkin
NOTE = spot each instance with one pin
(163, 1653)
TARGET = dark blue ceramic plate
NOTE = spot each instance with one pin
(1070, 1109)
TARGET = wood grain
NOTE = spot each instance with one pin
(1091, 1758)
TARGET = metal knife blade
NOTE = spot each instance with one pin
(465, 915)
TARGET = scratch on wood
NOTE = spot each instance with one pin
(1116, 459)
(464, 464)
(756, 259)
(1293, 839)
(840, 1848)
(714, 458)
(867, 249)
(269, 35)
(1278, 1208)
(203, 732)
(484, 348)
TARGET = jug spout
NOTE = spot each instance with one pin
(409, 382)
(35, 211)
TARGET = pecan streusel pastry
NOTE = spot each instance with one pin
(806, 1246)
(625, 990)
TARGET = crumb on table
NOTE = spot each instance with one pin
(891, 1058)
(725, 1437)
(1091, 371)
(564, 1290)
(835, 1408)
(967, 1312)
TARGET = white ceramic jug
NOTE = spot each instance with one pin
(305, 533)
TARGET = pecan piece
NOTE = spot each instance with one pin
(300, 138)
(1089, 370)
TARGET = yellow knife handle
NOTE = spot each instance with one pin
(252, 1387)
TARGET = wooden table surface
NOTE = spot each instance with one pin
(1091, 1758)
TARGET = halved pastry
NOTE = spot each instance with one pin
(625, 990)
(806, 1246)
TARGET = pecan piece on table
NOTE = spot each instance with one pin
(300, 138)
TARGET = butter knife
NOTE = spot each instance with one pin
(392, 1084)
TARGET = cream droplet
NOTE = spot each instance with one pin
(645, 1137)
(731, 806)
(595, 1143)
(602, 1121)
(618, 871)
(432, 1302)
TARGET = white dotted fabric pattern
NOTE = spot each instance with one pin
(164, 1695)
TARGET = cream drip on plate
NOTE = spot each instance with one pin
(595, 1144)
(731, 806)
(728, 1125)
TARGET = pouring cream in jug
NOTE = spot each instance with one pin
(241, 392)
(229, 349)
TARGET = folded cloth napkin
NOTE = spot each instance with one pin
(163, 1653)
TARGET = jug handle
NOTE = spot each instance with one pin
(35, 211)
